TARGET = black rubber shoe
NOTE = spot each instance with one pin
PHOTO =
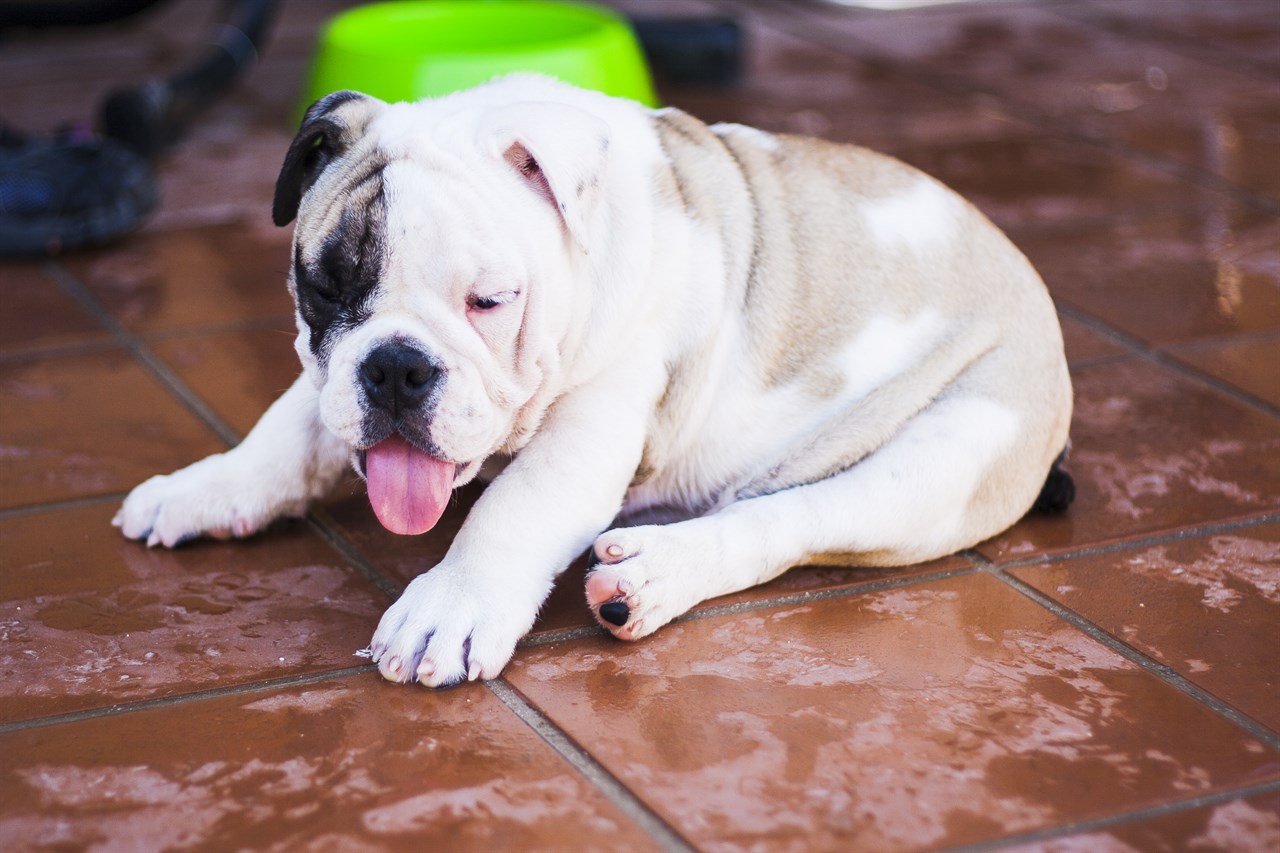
(69, 191)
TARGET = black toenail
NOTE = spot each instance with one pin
(615, 613)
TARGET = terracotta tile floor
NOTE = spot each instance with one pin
(1108, 680)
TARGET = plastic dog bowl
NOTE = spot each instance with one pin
(411, 49)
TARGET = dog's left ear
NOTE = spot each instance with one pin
(331, 125)
(560, 153)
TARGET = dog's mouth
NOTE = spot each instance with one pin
(408, 488)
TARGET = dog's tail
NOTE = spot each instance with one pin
(1059, 489)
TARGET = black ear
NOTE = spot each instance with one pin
(330, 126)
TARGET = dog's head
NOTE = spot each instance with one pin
(434, 259)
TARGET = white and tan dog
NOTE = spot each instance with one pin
(809, 352)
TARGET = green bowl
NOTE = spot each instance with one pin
(411, 49)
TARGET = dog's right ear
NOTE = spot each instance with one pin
(331, 125)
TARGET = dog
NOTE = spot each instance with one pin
(789, 351)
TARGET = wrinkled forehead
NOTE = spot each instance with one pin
(355, 209)
(413, 219)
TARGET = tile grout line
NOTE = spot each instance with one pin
(139, 350)
(1122, 818)
(1159, 357)
(1252, 336)
(1165, 673)
(96, 345)
(595, 773)
(62, 505)
(184, 698)
(561, 635)
(67, 350)
(1143, 541)
(332, 534)
(793, 598)
(272, 323)
(1134, 346)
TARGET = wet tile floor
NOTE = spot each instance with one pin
(1108, 680)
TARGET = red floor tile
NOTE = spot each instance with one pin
(401, 557)
(1205, 607)
(914, 718)
(840, 709)
(189, 279)
(1084, 344)
(343, 764)
(82, 425)
(1168, 280)
(1244, 824)
(777, 65)
(239, 373)
(38, 313)
(91, 619)
(1152, 451)
(1035, 180)
(1215, 119)
(1018, 174)
(1250, 365)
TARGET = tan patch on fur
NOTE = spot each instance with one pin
(824, 383)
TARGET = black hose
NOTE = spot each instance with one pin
(154, 115)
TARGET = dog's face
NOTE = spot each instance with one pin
(433, 255)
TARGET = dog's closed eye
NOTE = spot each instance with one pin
(477, 302)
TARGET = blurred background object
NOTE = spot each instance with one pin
(88, 183)
(77, 188)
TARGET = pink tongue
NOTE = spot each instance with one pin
(408, 488)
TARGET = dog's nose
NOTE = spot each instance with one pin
(397, 378)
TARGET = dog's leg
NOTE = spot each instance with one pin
(947, 479)
(287, 460)
(462, 619)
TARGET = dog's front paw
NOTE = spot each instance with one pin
(639, 580)
(214, 497)
(445, 628)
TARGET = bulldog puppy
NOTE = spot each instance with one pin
(809, 352)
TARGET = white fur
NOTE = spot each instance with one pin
(884, 348)
(767, 141)
(924, 217)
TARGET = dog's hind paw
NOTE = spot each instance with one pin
(639, 580)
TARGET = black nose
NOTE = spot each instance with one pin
(397, 378)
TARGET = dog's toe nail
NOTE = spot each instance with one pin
(426, 671)
(615, 613)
